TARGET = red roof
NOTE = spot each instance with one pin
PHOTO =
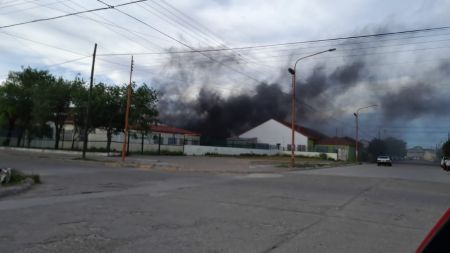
(171, 130)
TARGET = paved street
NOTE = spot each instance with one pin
(91, 207)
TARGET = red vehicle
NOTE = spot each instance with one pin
(437, 239)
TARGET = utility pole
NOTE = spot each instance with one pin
(127, 111)
(293, 123)
(356, 143)
(86, 120)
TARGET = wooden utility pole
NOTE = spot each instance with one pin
(127, 111)
(86, 120)
(356, 141)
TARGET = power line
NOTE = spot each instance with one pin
(180, 42)
(68, 61)
(72, 14)
(309, 47)
(112, 24)
(33, 7)
(41, 43)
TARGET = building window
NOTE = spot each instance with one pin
(301, 147)
(289, 147)
(155, 139)
(172, 141)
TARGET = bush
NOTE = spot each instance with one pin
(18, 176)
(323, 156)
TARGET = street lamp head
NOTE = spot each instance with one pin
(332, 49)
(292, 71)
(356, 115)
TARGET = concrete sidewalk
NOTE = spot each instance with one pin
(204, 164)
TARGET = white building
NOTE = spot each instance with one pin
(279, 133)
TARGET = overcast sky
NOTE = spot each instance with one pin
(390, 67)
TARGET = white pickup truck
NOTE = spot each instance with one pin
(445, 163)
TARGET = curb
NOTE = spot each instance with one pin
(16, 189)
(57, 152)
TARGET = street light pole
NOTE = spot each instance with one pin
(292, 71)
(357, 128)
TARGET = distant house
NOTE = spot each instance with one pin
(279, 133)
(419, 153)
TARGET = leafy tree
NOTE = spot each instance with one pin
(9, 95)
(78, 108)
(109, 108)
(20, 87)
(376, 147)
(446, 149)
(144, 110)
(51, 101)
(395, 147)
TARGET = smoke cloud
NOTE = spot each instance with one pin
(326, 92)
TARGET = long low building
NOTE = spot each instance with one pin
(279, 133)
(158, 138)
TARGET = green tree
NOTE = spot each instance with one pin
(395, 147)
(78, 108)
(109, 106)
(9, 95)
(51, 101)
(20, 87)
(376, 148)
(446, 148)
(144, 110)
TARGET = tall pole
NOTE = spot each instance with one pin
(356, 140)
(293, 72)
(357, 128)
(86, 120)
(127, 111)
(293, 122)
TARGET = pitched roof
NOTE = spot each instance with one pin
(172, 130)
(308, 132)
(346, 141)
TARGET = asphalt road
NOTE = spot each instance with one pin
(89, 207)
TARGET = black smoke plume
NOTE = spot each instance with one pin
(322, 95)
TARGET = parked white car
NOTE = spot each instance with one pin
(384, 160)
(445, 163)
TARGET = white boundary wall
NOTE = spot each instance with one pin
(311, 154)
(202, 150)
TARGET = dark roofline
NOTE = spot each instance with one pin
(172, 130)
(344, 141)
(308, 132)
